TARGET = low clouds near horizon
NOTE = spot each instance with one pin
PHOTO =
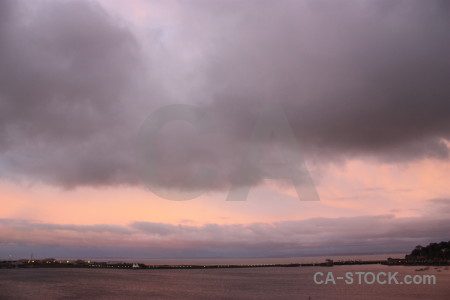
(362, 234)
(356, 79)
(364, 85)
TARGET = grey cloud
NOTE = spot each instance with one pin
(439, 206)
(68, 72)
(27, 225)
(356, 78)
(156, 228)
(334, 234)
(382, 233)
(64, 72)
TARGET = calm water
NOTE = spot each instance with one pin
(255, 283)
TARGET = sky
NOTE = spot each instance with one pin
(125, 126)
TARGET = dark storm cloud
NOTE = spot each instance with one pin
(67, 71)
(64, 70)
(356, 78)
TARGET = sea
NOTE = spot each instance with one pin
(240, 283)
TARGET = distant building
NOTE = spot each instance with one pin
(135, 266)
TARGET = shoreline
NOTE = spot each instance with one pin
(53, 263)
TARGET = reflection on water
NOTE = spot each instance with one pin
(254, 283)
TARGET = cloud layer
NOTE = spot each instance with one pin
(363, 234)
(356, 78)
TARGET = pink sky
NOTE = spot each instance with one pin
(364, 90)
(348, 191)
